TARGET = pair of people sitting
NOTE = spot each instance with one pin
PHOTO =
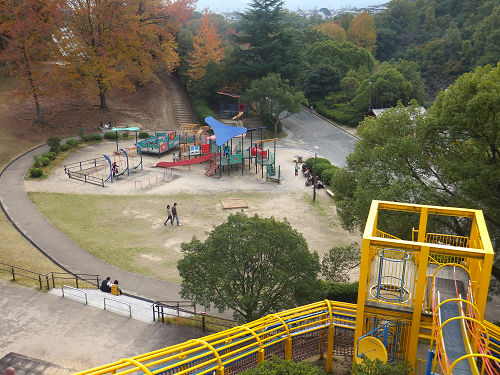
(114, 288)
(105, 126)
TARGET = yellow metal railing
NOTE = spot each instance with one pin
(247, 345)
(381, 234)
(446, 239)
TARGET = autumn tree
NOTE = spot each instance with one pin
(206, 48)
(333, 30)
(112, 43)
(362, 31)
(26, 30)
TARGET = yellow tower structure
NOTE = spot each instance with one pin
(403, 280)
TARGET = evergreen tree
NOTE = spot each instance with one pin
(266, 46)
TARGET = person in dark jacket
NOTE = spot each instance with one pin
(106, 285)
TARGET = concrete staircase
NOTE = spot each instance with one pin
(179, 99)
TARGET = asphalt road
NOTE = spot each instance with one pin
(308, 131)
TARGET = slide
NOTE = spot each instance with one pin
(201, 159)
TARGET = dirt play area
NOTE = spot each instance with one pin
(135, 208)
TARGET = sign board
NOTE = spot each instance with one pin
(195, 150)
(205, 149)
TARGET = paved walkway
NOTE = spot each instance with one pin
(58, 247)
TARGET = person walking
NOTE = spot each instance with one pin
(169, 216)
(296, 169)
(174, 214)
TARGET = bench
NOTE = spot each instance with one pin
(329, 192)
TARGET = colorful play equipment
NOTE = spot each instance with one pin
(127, 160)
(224, 149)
(116, 130)
(159, 143)
(420, 299)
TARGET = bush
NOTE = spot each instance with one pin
(93, 137)
(65, 147)
(72, 142)
(36, 172)
(320, 168)
(377, 367)
(341, 113)
(54, 142)
(276, 365)
(111, 135)
(80, 132)
(125, 134)
(55, 150)
(44, 161)
(143, 135)
(327, 174)
(202, 111)
(310, 162)
(341, 292)
(52, 156)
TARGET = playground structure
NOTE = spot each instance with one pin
(223, 149)
(126, 160)
(420, 299)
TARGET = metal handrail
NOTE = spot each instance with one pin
(124, 303)
(76, 289)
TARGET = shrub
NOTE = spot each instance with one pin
(56, 150)
(276, 365)
(125, 134)
(143, 135)
(327, 174)
(92, 137)
(52, 156)
(80, 132)
(54, 142)
(44, 161)
(110, 135)
(377, 367)
(342, 292)
(65, 147)
(320, 168)
(72, 142)
(310, 162)
(341, 113)
(202, 110)
(36, 172)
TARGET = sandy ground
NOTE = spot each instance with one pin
(291, 199)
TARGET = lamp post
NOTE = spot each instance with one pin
(315, 149)
(370, 105)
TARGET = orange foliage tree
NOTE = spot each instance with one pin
(114, 43)
(362, 31)
(333, 30)
(26, 29)
(206, 47)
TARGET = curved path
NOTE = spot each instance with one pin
(307, 130)
(58, 247)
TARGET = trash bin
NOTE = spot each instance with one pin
(299, 159)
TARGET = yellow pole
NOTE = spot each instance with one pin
(418, 303)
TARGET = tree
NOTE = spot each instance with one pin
(333, 30)
(343, 56)
(26, 30)
(362, 31)
(322, 81)
(206, 48)
(113, 43)
(266, 45)
(274, 99)
(339, 261)
(279, 366)
(251, 265)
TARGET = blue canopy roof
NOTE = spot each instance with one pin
(223, 132)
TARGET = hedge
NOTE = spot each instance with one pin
(50, 155)
(327, 174)
(342, 292)
(143, 135)
(92, 137)
(310, 162)
(111, 135)
(72, 142)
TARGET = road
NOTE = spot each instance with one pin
(309, 130)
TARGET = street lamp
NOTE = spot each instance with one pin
(315, 149)
(370, 105)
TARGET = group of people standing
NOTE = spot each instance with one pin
(172, 215)
(113, 288)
